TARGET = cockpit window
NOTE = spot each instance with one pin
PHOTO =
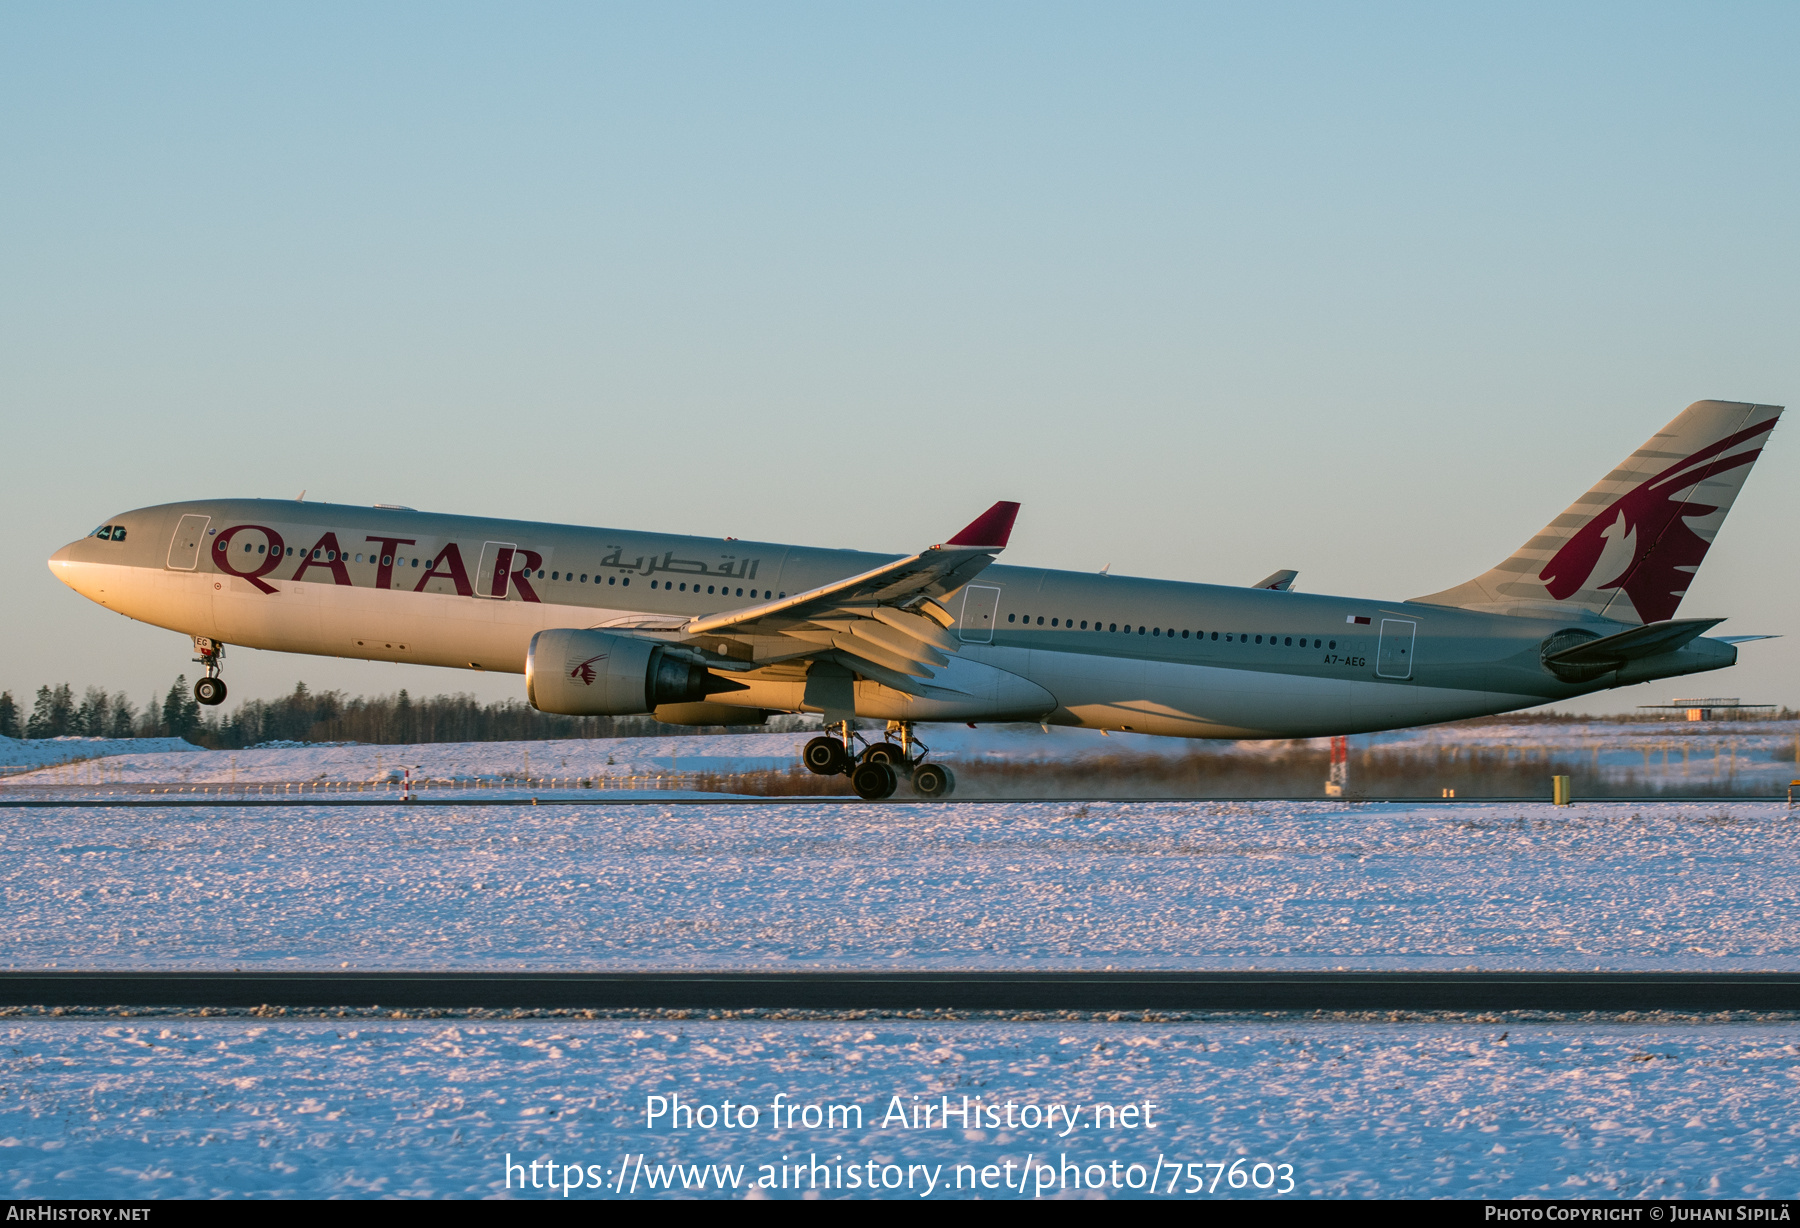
(118, 533)
(104, 531)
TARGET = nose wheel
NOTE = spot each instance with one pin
(876, 772)
(209, 690)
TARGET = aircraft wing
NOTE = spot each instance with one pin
(884, 623)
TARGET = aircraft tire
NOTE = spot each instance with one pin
(210, 691)
(824, 757)
(874, 781)
(933, 780)
(885, 752)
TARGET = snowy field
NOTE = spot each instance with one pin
(1461, 1109)
(24, 754)
(1756, 754)
(1514, 1106)
(172, 761)
(1653, 885)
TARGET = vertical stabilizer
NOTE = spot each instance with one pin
(1628, 549)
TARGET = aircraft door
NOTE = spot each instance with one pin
(184, 547)
(1394, 655)
(980, 602)
(491, 574)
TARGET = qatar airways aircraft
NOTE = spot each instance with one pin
(702, 630)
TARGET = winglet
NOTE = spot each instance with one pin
(992, 528)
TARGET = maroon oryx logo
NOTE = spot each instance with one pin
(585, 671)
(1665, 551)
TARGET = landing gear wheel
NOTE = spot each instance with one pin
(885, 752)
(874, 781)
(210, 691)
(933, 780)
(825, 757)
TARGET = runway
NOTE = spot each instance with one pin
(849, 991)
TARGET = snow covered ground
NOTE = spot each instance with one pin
(1495, 1109)
(1654, 885)
(1672, 753)
(565, 758)
(160, 1107)
(1758, 754)
(24, 754)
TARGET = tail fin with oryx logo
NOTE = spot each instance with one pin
(1628, 549)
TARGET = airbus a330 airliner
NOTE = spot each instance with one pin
(704, 630)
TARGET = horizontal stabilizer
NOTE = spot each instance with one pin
(1650, 641)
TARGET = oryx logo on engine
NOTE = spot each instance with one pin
(585, 670)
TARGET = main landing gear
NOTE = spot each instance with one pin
(209, 690)
(876, 772)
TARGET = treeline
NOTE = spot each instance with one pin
(55, 714)
(331, 716)
(309, 716)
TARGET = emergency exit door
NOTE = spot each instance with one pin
(980, 601)
(1394, 655)
(184, 547)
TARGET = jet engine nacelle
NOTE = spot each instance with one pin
(593, 673)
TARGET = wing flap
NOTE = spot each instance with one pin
(879, 673)
(867, 651)
(883, 636)
(916, 626)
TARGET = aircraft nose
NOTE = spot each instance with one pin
(65, 565)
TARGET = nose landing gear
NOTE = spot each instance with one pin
(209, 690)
(876, 772)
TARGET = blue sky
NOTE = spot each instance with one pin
(1370, 291)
